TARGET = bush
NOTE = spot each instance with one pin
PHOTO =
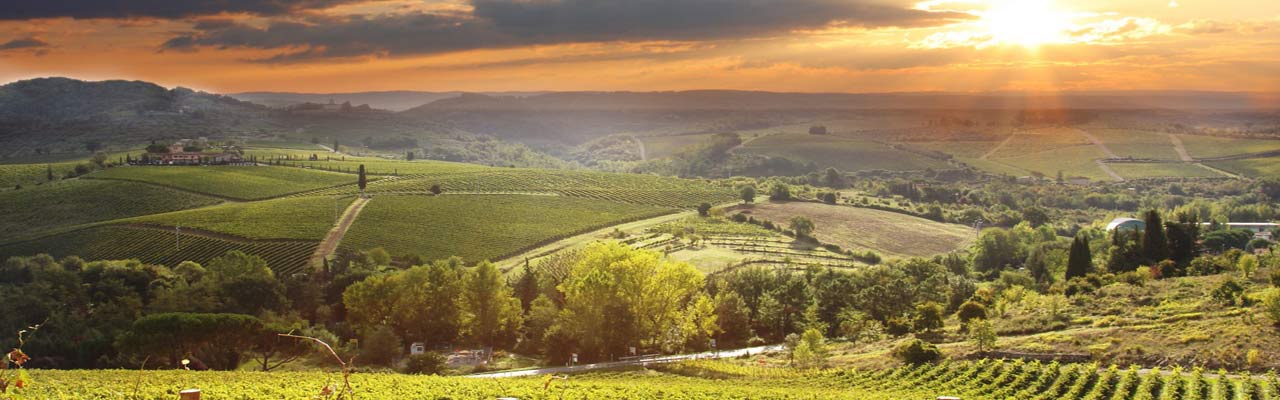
(739, 218)
(897, 326)
(381, 346)
(1228, 292)
(428, 363)
(1271, 305)
(971, 310)
(916, 352)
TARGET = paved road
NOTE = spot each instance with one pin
(618, 364)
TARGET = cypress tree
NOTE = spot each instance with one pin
(49, 173)
(1155, 246)
(1079, 258)
(362, 180)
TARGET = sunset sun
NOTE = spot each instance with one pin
(1028, 23)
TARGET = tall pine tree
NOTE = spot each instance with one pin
(362, 180)
(1155, 246)
(1079, 258)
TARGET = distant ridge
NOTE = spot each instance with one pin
(396, 100)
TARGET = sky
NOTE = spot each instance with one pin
(860, 46)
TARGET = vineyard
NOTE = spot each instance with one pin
(73, 202)
(306, 218)
(858, 229)
(160, 245)
(481, 227)
(623, 188)
(986, 379)
(240, 183)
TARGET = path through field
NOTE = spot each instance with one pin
(640, 144)
(998, 147)
(1182, 150)
(1105, 150)
(331, 240)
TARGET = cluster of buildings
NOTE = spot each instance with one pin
(190, 152)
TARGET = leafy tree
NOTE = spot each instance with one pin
(362, 181)
(217, 340)
(802, 226)
(829, 198)
(429, 363)
(734, 319)
(422, 303)
(811, 349)
(983, 335)
(1271, 305)
(856, 326)
(542, 315)
(747, 194)
(492, 312)
(380, 346)
(833, 179)
(995, 251)
(435, 189)
(916, 352)
(780, 192)
(1247, 264)
(1155, 247)
(704, 209)
(1182, 237)
(971, 310)
(928, 317)
(410, 155)
(1035, 216)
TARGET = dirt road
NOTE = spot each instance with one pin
(331, 240)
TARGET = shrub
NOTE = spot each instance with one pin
(897, 326)
(381, 346)
(429, 363)
(739, 218)
(1228, 292)
(1271, 305)
(928, 317)
(916, 352)
(971, 310)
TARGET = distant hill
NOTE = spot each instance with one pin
(399, 100)
(749, 100)
(60, 115)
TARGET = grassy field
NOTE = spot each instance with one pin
(1038, 141)
(959, 149)
(840, 153)
(1211, 146)
(1252, 167)
(160, 246)
(1137, 144)
(73, 202)
(305, 218)
(885, 232)
(1159, 170)
(985, 379)
(481, 227)
(236, 182)
(663, 146)
(1072, 161)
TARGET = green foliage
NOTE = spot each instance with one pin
(1155, 246)
(983, 335)
(928, 317)
(380, 346)
(779, 192)
(492, 313)
(75, 202)
(1229, 292)
(429, 363)
(916, 352)
(971, 310)
(1271, 305)
(811, 350)
(704, 209)
(802, 226)
(995, 251)
(303, 218)
(747, 194)
(481, 227)
(236, 182)
(217, 340)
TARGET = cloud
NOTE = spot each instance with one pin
(82, 9)
(497, 24)
(30, 42)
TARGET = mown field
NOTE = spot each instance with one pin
(303, 218)
(986, 379)
(481, 227)
(838, 152)
(73, 202)
(160, 245)
(885, 232)
(235, 182)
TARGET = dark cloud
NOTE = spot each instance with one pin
(31, 9)
(513, 23)
(24, 43)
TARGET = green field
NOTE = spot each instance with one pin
(1038, 141)
(837, 152)
(1251, 167)
(1160, 170)
(985, 379)
(1072, 161)
(31, 174)
(73, 202)
(1212, 146)
(160, 246)
(304, 218)
(235, 182)
(481, 227)
(664, 146)
(347, 163)
(623, 188)
(1137, 144)
(856, 228)
(959, 149)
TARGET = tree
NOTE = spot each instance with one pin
(217, 340)
(802, 226)
(971, 310)
(1035, 216)
(362, 180)
(928, 317)
(1271, 305)
(857, 326)
(704, 209)
(422, 303)
(435, 189)
(409, 156)
(492, 312)
(833, 179)
(380, 346)
(49, 173)
(916, 352)
(983, 335)
(779, 192)
(830, 197)
(817, 130)
(733, 317)
(1079, 258)
(429, 363)
(335, 146)
(1182, 236)
(1247, 264)
(542, 315)
(811, 350)
(747, 194)
(995, 251)
(1155, 247)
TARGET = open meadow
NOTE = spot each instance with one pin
(857, 228)
(838, 152)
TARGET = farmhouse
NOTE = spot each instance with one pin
(178, 154)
